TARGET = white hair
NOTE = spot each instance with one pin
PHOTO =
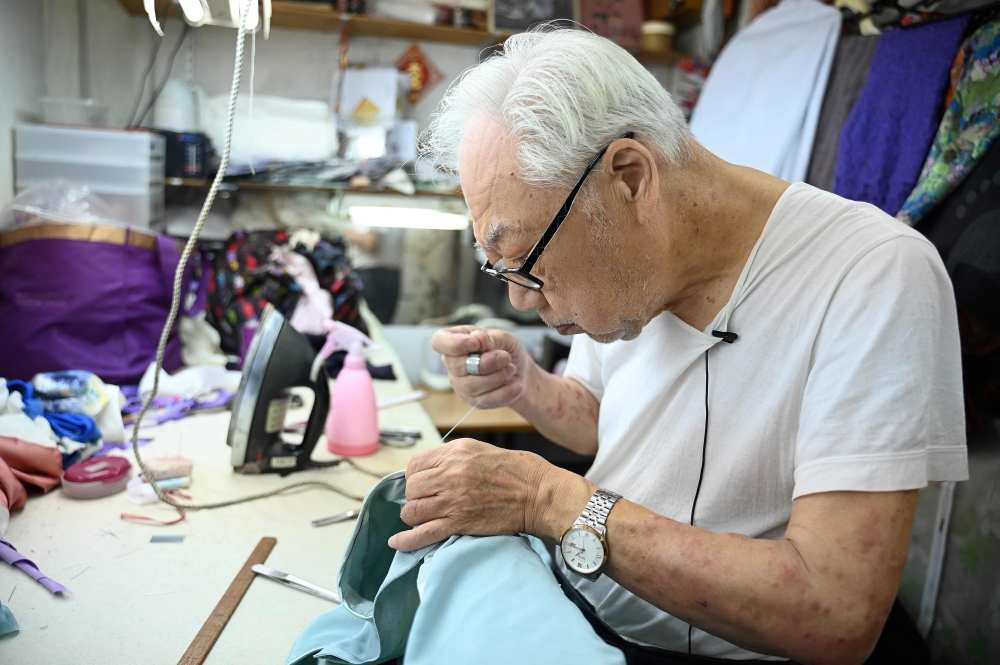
(563, 95)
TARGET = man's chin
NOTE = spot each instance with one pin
(605, 338)
(627, 332)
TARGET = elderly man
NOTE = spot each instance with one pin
(767, 373)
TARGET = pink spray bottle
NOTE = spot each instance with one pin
(352, 424)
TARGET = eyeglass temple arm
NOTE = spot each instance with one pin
(563, 213)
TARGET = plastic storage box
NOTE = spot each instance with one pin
(125, 168)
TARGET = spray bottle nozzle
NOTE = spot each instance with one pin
(341, 337)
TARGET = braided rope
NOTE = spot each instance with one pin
(175, 306)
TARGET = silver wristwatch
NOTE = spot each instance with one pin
(584, 546)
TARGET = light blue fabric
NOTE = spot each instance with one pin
(7, 622)
(495, 600)
(484, 600)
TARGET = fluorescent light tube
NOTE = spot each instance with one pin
(407, 218)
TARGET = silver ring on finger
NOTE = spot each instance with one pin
(472, 364)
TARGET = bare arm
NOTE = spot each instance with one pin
(561, 409)
(820, 595)
(366, 240)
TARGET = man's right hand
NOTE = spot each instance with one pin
(504, 364)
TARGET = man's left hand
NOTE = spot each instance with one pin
(470, 488)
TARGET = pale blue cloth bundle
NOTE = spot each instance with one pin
(468, 600)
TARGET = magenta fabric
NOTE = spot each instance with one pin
(85, 304)
(886, 138)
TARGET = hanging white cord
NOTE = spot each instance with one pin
(175, 306)
(253, 61)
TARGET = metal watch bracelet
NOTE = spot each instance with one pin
(596, 513)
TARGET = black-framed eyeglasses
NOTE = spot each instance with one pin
(522, 274)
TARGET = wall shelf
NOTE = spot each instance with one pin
(322, 17)
(233, 184)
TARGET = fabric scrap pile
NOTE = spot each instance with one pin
(47, 424)
(306, 278)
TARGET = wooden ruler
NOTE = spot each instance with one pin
(209, 633)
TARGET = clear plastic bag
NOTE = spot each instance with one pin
(57, 201)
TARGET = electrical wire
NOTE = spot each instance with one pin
(145, 75)
(175, 306)
(701, 474)
(165, 77)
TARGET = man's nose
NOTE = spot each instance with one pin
(525, 299)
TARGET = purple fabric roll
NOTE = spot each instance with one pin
(885, 140)
(18, 560)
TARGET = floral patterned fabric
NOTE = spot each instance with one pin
(245, 280)
(968, 129)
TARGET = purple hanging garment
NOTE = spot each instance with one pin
(885, 140)
(78, 296)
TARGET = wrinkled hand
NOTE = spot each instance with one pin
(504, 364)
(467, 487)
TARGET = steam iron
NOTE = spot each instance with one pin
(280, 358)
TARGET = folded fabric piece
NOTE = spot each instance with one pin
(9, 554)
(109, 420)
(886, 137)
(378, 588)
(201, 342)
(316, 305)
(191, 382)
(970, 126)
(32, 464)
(71, 391)
(762, 100)
(495, 600)
(12, 494)
(467, 600)
(7, 622)
(31, 406)
(847, 79)
(75, 426)
(21, 415)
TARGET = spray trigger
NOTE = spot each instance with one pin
(340, 337)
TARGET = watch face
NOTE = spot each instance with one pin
(583, 550)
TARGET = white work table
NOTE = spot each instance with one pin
(134, 601)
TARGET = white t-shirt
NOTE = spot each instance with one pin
(846, 376)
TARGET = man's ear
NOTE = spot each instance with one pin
(635, 181)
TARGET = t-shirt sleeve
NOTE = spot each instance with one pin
(584, 365)
(883, 407)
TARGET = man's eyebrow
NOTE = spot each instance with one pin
(496, 233)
